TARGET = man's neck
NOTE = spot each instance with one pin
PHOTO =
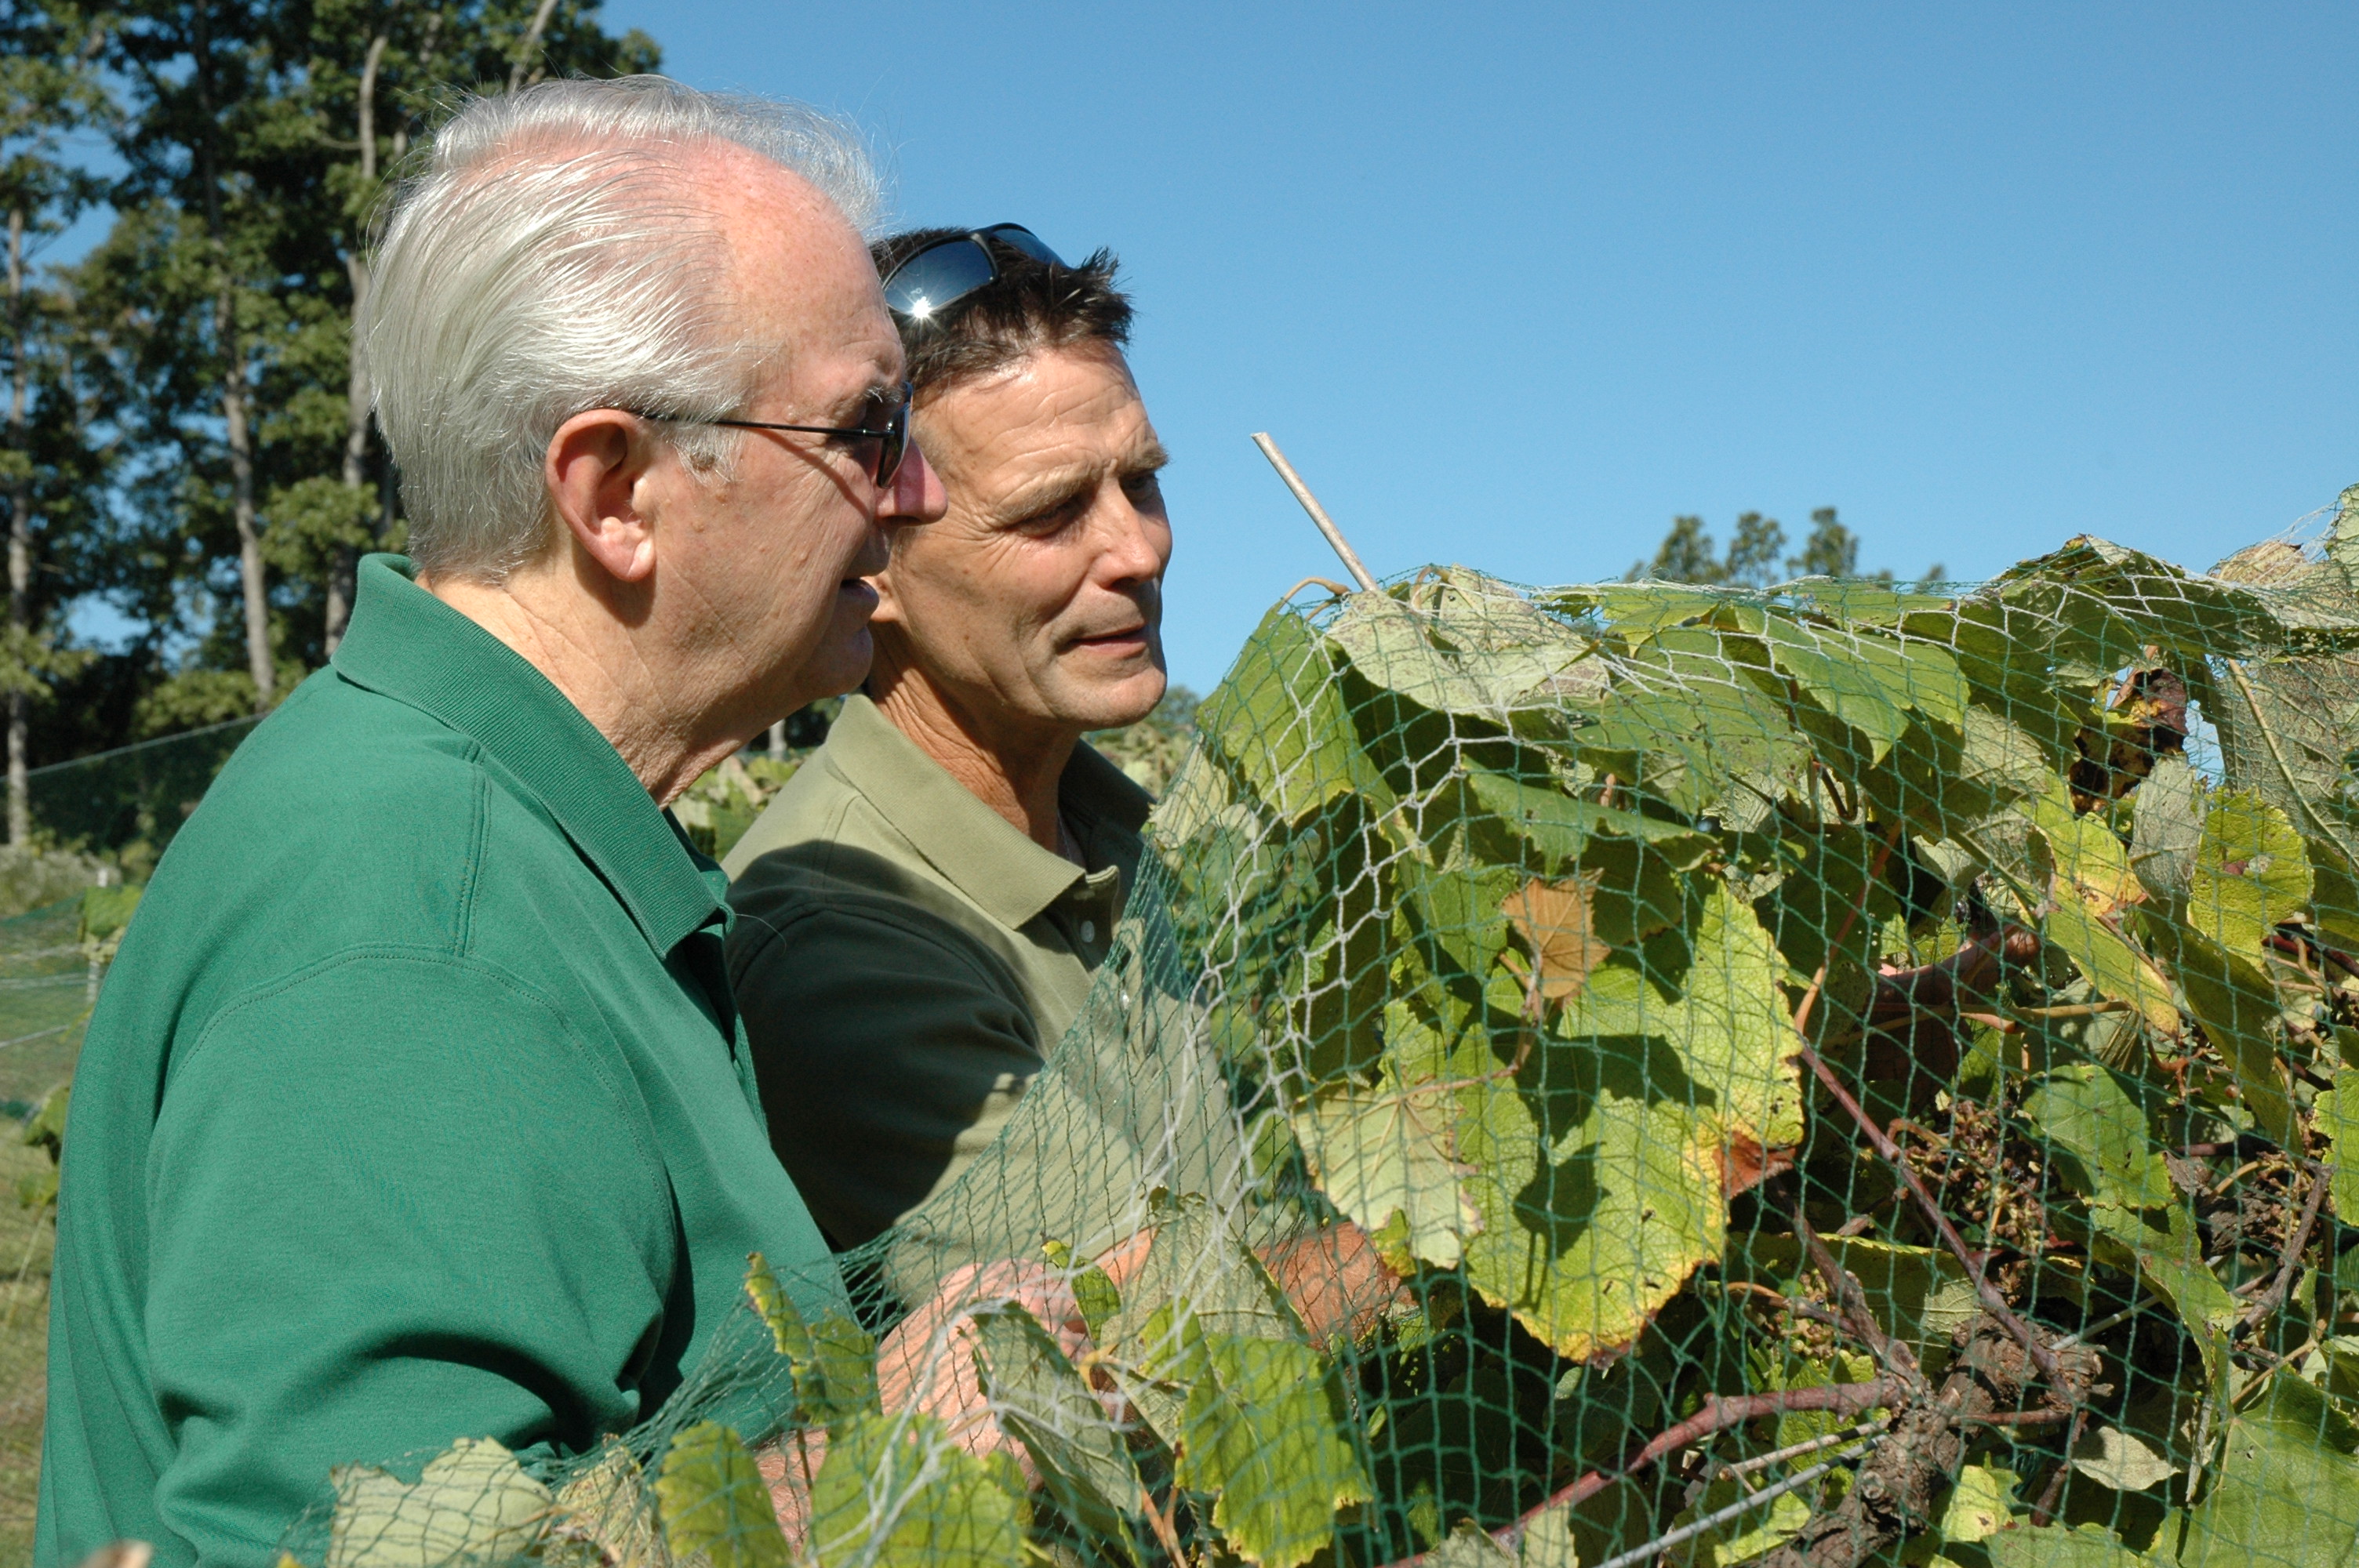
(1015, 772)
(595, 660)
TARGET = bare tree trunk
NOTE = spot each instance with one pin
(356, 407)
(779, 739)
(236, 393)
(20, 545)
(234, 406)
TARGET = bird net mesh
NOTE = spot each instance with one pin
(1616, 1075)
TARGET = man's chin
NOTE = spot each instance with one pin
(1110, 705)
(837, 668)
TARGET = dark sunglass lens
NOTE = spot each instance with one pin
(1015, 236)
(937, 277)
(896, 444)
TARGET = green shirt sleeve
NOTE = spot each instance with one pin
(388, 1199)
(890, 1047)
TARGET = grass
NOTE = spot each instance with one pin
(43, 993)
(24, 1347)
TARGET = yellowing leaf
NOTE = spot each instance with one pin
(897, 1491)
(1263, 1431)
(474, 1502)
(1602, 1181)
(2338, 1118)
(834, 1359)
(2088, 856)
(2111, 961)
(1386, 1152)
(2251, 872)
(1981, 1505)
(714, 1502)
(1555, 922)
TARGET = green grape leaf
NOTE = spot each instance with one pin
(1093, 1291)
(834, 1359)
(1468, 1546)
(897, 1491)
(1394, 647)
(1388, 1151)
(714, 1503)
(2237, 1006)
(2251, 872)
(1602, 1176)
(2054, 1546)
(2167, 833)
(2288, 1489)
(1265, 1433)
(1040, 1400)
(2093, 1123)
(1560, 826)
(2338, 1118)
(2112, 963)
(1921, 1295)
(1194, 1254)
(2120, 1460)
(2164, 1247)
(472, 1502)
(1279, 720)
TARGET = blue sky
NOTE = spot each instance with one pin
(1514, 284)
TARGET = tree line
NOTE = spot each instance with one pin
(186, 430)
(1756, 555)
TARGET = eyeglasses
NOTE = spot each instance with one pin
(892, 441)
(947, 271)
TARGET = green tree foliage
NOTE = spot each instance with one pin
(1688, 554)
(190, 436)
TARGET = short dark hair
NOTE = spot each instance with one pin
(1030, 306)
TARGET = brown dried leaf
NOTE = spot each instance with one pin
(1555, 922)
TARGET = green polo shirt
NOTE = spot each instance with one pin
(414, 1108)
(907, 958)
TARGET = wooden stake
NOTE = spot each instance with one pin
(1350, 557)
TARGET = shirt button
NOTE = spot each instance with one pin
(1089, 930)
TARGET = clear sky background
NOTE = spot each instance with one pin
(1515, 285)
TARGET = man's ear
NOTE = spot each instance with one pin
(595, 464)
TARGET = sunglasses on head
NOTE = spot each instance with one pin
(891, 433)
(937, 277)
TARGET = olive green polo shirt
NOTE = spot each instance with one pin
(906, 957)
(414, 1108)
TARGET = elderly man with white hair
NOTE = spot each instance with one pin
(416, 1106)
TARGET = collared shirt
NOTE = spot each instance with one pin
(416, 1108)
(905, 958)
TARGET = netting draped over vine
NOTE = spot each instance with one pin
(1832, 1073)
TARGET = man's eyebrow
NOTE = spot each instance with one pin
(1048, 493)
(1151, 459)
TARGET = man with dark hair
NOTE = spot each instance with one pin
(923, 906)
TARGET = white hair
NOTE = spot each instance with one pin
(549, 257)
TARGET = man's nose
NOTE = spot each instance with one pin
(1136, 546)
(916, 494)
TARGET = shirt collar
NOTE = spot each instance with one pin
(979, 851)
(408, 645)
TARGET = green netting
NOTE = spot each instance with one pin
(132, 800)
(1836, 1075)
